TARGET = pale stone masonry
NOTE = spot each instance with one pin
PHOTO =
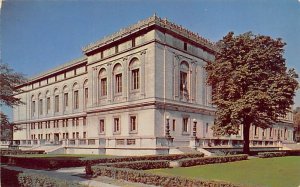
(139, 91)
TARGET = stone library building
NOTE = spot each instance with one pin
(139, 91)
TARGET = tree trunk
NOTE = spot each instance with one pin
(246, 131)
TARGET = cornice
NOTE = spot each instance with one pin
(153, 20)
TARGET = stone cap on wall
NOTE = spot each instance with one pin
(153, 20)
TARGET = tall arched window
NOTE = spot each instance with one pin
(117, 72)
(75, 96)
(102, 82)
(48, 102)
(66, 98)
(40, 104)
(134, 68)
(184, 80)
(56, 100)
(32, 106)
(86, 93)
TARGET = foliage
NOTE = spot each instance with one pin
(271, 154)
(6, 127)
(251, 84)
(8, 83)
(9, 177)
(38, 180)
(153, 179)
(272, 172)
(210, 160)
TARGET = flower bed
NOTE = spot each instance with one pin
(210, 160)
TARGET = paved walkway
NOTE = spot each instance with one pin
(77, 174)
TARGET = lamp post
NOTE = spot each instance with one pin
(194, 127)
(168, 127)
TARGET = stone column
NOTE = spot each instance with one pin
(142, 74)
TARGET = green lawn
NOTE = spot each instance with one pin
(269, 172)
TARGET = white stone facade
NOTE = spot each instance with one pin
(139, 91)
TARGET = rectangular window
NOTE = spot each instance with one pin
(56, 103)
(135, 79)
(207, 126)
(174, 125)
(77, 121)
(271, 129)
(67, 135)
(116, 49)
(66, 123)
(118, 85)
(73, 135)
(255, 131)
(84, 121)
(84, 134)
(133, 124)
(185, 124)
(41, 106)
(76, 100)
(101, 126)
(48, 105)
(66, 100)
(185, 46)
(86, 96)
(103, 86)
(77, 135)
(133, 42)
(116, 125)
(33, 108)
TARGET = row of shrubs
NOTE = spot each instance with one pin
(153, 179)
(38, 180)
(271, 154)
(136, 165)
(55, 163)
(210, 160)
(20, 152)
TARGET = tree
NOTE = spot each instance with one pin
(8, 88)
(251, 84)
(297, 124)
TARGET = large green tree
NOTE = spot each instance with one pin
(9, 79)
(251, 84)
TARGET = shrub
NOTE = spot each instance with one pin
(136, 165)
(9, 177)
(210, 160)
(292, 152)
(153, 179)
(271, 154)
(38, 180)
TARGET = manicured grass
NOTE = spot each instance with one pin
(269, 172)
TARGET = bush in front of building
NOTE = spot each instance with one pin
(271, 154)
(38, 180)
(153, 179)
(9, 177)
(210, 160)
(292, 152)
(136, 165)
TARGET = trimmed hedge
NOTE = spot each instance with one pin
(20, 152)
(292, 152)
(136, 165)
(210, 160)
(153, 179)
(38, 180)
(55, 163)
(271, 154)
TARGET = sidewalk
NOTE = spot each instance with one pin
(77, 174)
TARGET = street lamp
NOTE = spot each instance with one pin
(194, 127)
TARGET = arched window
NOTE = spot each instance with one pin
(66, 98)
(32, 106)
(86, 93)
(75, 96)
(40, 104)
(102, 82)
(56, 100)
(117, 72)
(48, 102)
(134, 68)
(184, 79)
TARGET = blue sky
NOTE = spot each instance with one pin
(39, 35)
